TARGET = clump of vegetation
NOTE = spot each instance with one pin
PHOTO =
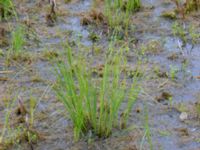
(49, 55)
(20, 124)
(152, 47)
(127, 5)
(186, 34)
(94, 104)
(118, 13)
(6, 8)
(169, 14)
(18, 40)
(93, 17)
(178, 30)
(164, 96)
(187, 6)
(16, 51)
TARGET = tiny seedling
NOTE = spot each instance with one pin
(170, 101)
(173, 72)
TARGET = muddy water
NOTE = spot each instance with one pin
(185, 92)
(51, 120)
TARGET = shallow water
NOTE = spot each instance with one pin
(51, 119)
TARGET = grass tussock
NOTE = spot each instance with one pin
(116, 15)
(186, 7)
(16, 52)
(94, 104)
(119, 12)
(6, 9)
(18, 40)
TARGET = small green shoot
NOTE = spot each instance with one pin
(173, 72)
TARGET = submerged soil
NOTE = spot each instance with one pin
(167, 98)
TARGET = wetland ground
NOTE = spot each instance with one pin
(162, 47)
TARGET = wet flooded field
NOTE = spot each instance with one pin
(148, 60)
